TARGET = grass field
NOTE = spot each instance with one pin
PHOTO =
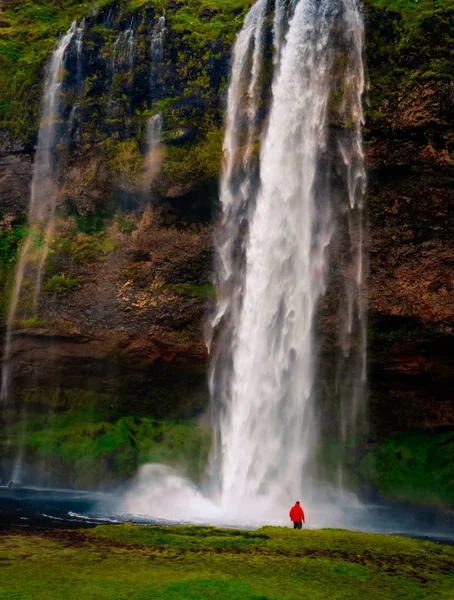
(192, 563)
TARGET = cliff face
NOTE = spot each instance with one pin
(128, 283)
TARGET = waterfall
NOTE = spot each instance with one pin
(153, 156)
(155, 123)
(43, 198)
(124, 47)
(266, 387)
(123, 53)
(79, 46)
(157, 40)
(289, 253)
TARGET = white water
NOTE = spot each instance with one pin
(157, 41)
(124, 48)
(43, 198)
(80, 31)
(153, 158)
(279, 250)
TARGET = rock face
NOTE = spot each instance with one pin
(15, 174)
(128, 284)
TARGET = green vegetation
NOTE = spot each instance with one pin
(30, 323)
(197, 162)
(90, 447)
(28, 34)
(193, 563)
(84, 247)
(203, 292)
(414, 466)
(406, 46)
(126, 225)
(61, 283)
(12, 232)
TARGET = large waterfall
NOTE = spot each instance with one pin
(290, 266)
(267, 427)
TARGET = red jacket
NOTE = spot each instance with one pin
(296, 513)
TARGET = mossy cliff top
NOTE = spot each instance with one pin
(29, 30)
(192, 563)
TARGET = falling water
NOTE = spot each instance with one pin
(79, 47)
(153, 157)
(157, 41)
(43, 199)
(123, 56)
(123, 48)
(155, 123)
(290, 243)
(267, 426)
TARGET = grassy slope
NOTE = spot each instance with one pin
(192, 563)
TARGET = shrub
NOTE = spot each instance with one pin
(126, 225)
(61, 283)
(203, 292)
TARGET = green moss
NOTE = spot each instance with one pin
(196, 563)
(406, 42)
(12, 232)
(193, 163)
(126, 225)
(30, 323)
(203, 292)
(86, 248)
(413, 466)
(61, 283)
(86, 440)
(124, 158)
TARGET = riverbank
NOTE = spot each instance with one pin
(191, 563)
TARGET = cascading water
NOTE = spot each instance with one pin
(155, 123)
(290, 244)
(43, 197)
(122, 73)
(79, 47)
(268, 428)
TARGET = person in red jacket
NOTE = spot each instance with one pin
(297, 516)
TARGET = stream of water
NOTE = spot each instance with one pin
(43, 199)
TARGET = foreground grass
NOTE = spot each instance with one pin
(192, 563)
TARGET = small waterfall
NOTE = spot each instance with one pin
(43, 199)
(157, 40)
(153, 157)
(155, 123)
(157, 54)
(264, 368)
(79, 47)
(124, 48)
(122, 61)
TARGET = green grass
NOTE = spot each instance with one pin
(192, 563)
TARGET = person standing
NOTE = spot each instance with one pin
(297, 516)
